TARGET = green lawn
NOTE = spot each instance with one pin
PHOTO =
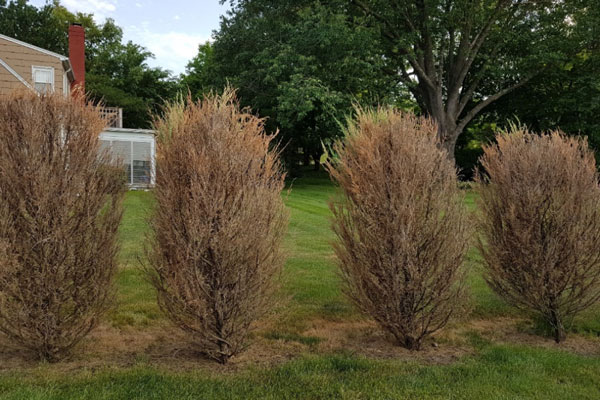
(471, 362)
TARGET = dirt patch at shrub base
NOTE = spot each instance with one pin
(167, 348)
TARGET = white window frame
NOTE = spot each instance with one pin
(65, 84)
(35, 68)
(114, 136)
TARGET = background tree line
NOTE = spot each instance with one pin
(471, 65)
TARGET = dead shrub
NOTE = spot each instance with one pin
(219, 222)
(540, 224)
(401, 227)
(60, 207)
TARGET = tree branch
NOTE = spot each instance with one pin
(482, 35)
(390, 33)
(467, 94)
(480, 106)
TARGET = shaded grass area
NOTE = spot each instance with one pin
(311, 291)
(310, 276)
(499, 372)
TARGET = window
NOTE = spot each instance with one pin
(141, 156)
(122, 151)
(135, 156)
(43, 79)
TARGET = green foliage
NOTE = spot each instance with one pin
(299, 63)
(38, 26)
(495, 372)
(199, 77)
(566, 95)
(119, 75)
(458, 57)
(302, 63)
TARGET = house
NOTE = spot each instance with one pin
(25, 65)
(22, 64)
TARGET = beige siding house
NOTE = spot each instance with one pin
(26, 65)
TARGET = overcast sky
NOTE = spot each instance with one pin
(171, 29)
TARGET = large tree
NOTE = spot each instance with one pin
(297, 62)
(118, 74)
(459, 56)
(566, 96)
(200, 72)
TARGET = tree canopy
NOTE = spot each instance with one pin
(564, 94)
(459, 56)
(299, 63)
(303, 64)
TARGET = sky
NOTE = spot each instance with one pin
(170, 29)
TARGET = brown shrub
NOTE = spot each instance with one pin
(401, 225)
(60, 206)
(540, 224)
(219, 222)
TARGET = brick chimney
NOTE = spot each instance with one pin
(77, 55)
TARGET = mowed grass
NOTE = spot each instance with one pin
(311, 285)
(311, 291)
(499, 372)
(136, 301)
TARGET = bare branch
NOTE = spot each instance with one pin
(216, 249)
(384, 271)
(541, 226)
(489, 100)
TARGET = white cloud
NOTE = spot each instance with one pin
(172, 49)
(100, 8)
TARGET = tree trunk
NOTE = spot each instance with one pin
(317, 159)
(410, 343)
(446, 82)
(559, 334)
(449, 144)
(305, 158)
(557, 325)
(448, 132)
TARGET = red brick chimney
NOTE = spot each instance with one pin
(77, 55)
